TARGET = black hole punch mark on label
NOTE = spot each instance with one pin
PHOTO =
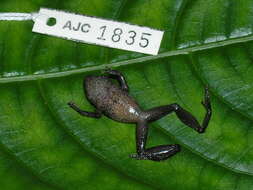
(51, 21)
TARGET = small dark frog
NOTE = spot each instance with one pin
(114, 101)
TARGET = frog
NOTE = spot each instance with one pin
(112, 99)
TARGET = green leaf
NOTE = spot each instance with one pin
(15, 177)
(234, 84)
(50, 146)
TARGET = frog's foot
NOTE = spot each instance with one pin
(106, 70)
(158, 153)
(112, 72)
(206, 102)
(138, 156)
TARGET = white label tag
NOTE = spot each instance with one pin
(99, 31)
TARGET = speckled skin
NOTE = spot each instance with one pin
(114, 101)
(111, 100)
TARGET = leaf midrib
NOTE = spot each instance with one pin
(184, 51)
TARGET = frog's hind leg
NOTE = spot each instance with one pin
(163, 152)
(184, 116)
(84, 113)
(157, 153)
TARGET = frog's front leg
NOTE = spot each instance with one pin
(118, 76)
(96, 114)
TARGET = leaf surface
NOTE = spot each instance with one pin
(204, 44)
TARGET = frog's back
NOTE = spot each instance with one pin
(111, 99)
